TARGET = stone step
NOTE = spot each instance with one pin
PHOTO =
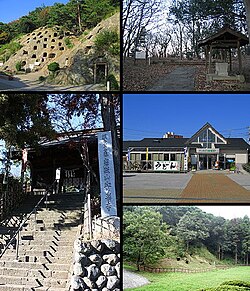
(37, 259)
(53, 243)
(34, 266)
(30, 273)
(52, 248)
(10, 287)
(16, 280)
(49, 253)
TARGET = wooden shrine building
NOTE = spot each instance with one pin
(59, 164)
(225, 40)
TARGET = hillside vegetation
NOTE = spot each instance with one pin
(186, 237)
(75, 16)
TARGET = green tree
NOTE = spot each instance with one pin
(192, 227)
(233, 237)
(94, 11)
(53, 67)
(106, 41)
(144, 236)
(26, 25)
(24, 119)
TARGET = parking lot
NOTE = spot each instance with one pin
(201, 187)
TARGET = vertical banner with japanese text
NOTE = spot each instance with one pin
(107, 176)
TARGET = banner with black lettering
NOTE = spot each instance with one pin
(107, 176)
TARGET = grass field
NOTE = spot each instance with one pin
(192, 282)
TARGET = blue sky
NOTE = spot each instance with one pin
(152, 115)
(14, 9)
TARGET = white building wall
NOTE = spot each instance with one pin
(240, 158)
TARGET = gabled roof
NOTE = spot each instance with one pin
(155, 143)
(234, 144)
(204, 127)
(225, 37)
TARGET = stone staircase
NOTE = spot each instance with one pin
(46, 246)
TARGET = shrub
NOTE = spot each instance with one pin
(237, 283)
(105, 40)
(42, 78)
(113, 82)
(53, 67)
(9, 49)
(18, 66)
(68, 42)
(115, 49)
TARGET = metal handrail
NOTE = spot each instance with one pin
(21, 226)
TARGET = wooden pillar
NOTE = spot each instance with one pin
(210, 59)
(94, 73)
(230, 60)
(239, 56)
(206, 57)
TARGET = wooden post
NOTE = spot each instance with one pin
(206, 58)
(230, 60)
(210, 59)
(239, 56)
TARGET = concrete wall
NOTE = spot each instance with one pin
(241, 158)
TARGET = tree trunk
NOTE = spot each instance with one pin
(219, 250)
(236, 255)
(79, 17)
(247, 6)
(138, 262)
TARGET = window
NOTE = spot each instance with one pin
(155, 157)
(172, 157)
(166, 157)
(211, 136)
(161, 157)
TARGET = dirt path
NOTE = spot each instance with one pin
(180, 79)
(216, 188)
(132, 280)
(30, 81)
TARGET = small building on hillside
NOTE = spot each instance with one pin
(206, 149)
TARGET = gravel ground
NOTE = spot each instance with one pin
(132, 280)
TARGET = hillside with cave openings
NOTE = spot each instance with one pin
(72, 44)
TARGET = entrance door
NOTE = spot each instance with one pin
(100, 73)
(207, 161)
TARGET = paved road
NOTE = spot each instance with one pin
(132, 280)
(153, 187)
(181, 79)
(155, 180)
(216, 188)
(201, 187)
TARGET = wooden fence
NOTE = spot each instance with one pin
(182, 270)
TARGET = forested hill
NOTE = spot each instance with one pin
(75, 16)
(151, 233)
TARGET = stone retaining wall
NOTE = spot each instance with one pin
(96, 265)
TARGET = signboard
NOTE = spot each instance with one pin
(166, 166)
(207, 151)
(140, 55)
(107, 175)
(185, 159)
(58, 174)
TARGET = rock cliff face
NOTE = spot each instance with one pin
(78, 60)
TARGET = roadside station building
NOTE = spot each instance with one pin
(206, 149)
